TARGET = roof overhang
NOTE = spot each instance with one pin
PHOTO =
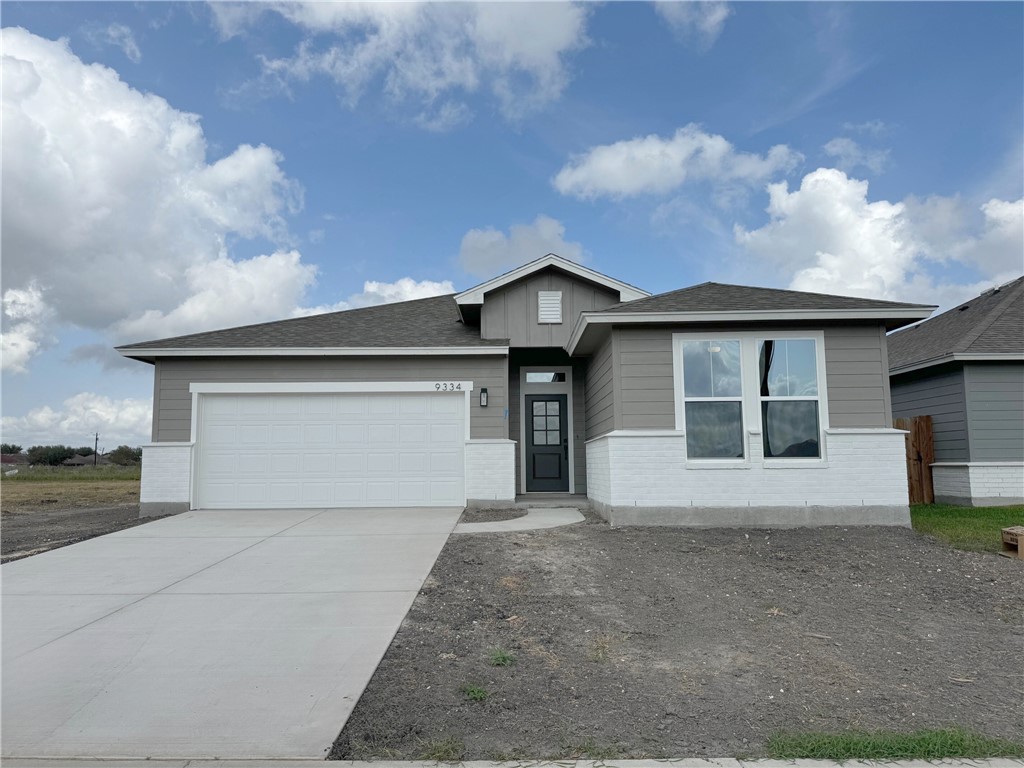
(892, 317)
(475, 295)
(960, 357)
(150, 354)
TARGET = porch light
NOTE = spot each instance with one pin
(483, 397)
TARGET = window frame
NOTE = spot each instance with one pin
(751, 396)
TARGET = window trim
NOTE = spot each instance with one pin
(708, 461)
(751, 395)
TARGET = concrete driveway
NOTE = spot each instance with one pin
(242, 634)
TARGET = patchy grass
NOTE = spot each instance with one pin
(475, 692)
(102, 474)
(600, 649)
(499, 657)
(37, 496)
(588, 749)
(972, 528)
(444, 750)
(885, 745)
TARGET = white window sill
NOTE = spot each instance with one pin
(713, 464)
(795, 464)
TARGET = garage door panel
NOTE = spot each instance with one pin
(294, 450)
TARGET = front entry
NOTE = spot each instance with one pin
(547, 443)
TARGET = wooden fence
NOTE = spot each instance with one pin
(920, 455)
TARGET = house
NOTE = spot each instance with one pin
(965, 369)
(711, 405)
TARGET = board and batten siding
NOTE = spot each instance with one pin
(856, 371)
(940, 395)
(172, 405)
(510, 312)
(995, 411)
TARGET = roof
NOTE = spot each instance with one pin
(990, 326)
(475, 295)
(424, 323)
(721, 297)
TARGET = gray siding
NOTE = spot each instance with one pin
(579, 410)
(941, 396)
(511, 311)
(995, 411)
(855, 371)
(172, 417)
(600, 394)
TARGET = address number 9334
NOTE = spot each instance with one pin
(448, 386)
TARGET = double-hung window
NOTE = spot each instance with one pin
(788, 392)
(770, 383)
(713, 399)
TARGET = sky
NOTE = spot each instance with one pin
(171, 168)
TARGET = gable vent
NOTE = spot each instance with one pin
(549, 306)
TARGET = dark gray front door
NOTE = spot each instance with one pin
(547, 443)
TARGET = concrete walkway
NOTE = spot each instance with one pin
(533, 520)
(209, 634)
(722, 762)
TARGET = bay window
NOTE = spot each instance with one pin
(769, 383)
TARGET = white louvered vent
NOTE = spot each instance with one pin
(549, 306)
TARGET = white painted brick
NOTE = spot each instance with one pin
(166, 470)
(650, 470)
(491, 470)
(979, 482)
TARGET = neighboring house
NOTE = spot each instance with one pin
(711, 405)
(13, 458)
(965, 369)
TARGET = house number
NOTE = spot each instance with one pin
(447, 387)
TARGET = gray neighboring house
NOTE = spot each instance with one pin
(965, 369)
(710, 405)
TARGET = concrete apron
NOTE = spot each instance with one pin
(722, 762)
(240, 634)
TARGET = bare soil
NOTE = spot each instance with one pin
(491, 515)
(656, 642)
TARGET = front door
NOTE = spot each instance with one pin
(547, 443)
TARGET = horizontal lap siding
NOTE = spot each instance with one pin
(600, 396)
(172, 418)
(995, 411)
(647, 398)
(942, 397)
(857, 375)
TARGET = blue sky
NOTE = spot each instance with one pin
(170, 168)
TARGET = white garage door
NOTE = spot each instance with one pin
(330, 450)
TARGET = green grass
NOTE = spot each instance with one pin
(39, 474)
(972, 528)
(499, 657)
(475, 692)
(445, 750)
(885, 745)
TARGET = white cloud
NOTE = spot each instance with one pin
(117, 200)
(849, 155)
(126, 421)
(432, 55)
(871, 127)
(832, 238)
(656, 165)
(25, 315)
(488, 251)
(695, 21)
(119, 36)
(374, 292)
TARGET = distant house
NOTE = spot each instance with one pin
(13, 458)
(965, 369)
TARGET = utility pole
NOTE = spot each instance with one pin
(95, 450)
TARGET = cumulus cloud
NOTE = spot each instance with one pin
(117, 35)
(849, 155)
(375, 292)
(656, 165)
(832, 238)
(117, 201)
(24, 332)
(487, 251)
(126, 421)
(430, 55)
(695, 21)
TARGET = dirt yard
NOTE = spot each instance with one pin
(692, 643)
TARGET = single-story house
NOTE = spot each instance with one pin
(965, 369)
(711, 405)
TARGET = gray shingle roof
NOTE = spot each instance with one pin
(432, 322)
(720, 297)
(992, 323)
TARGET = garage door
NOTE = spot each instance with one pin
(330, 450)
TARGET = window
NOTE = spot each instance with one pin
(713, 399)
(788, 390)
(544, 377)
(549, 306)
(546, 423)
(751, 385)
